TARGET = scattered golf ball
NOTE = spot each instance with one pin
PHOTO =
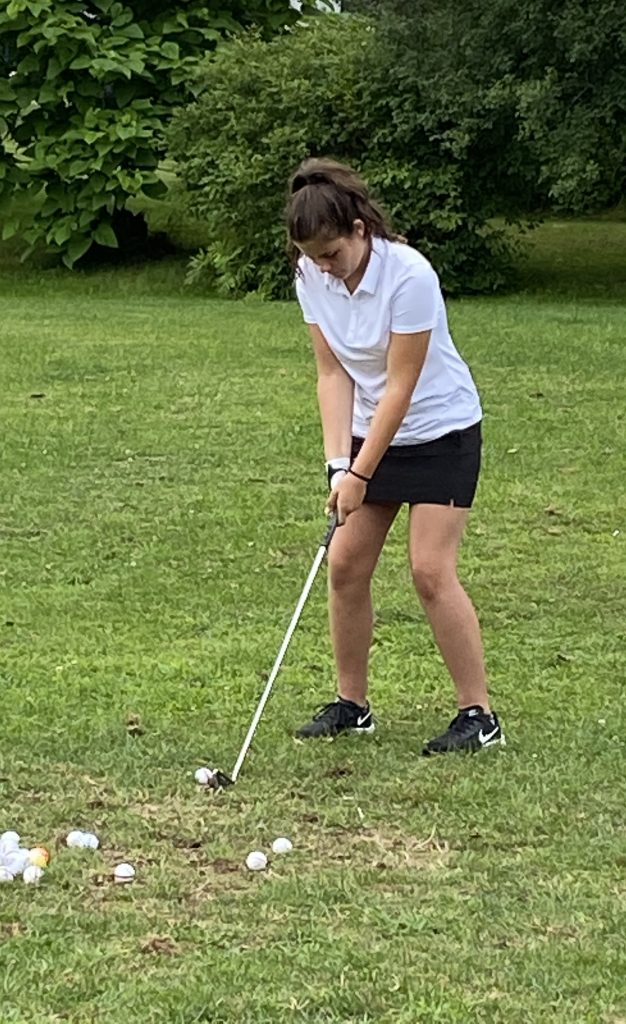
(204, 776)
(5, 875)
(256, 861)
(39, 856)
(124, 873)
(282, 845)
(9, 841)
(32, 874)
(90, 841)
(16, 861)
(75, 839)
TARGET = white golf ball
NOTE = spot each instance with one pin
(5, 875)
(75, 839)
(32, 874)
(10, 837)
(90, 841)
(17, 861)
(256, 861)
(124, 873)
(203, 776)
(282, 845)
(9, 843)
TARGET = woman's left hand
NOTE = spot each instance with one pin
(346, 497)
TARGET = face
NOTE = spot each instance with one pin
(340, 256)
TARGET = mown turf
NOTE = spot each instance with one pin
(162, 503)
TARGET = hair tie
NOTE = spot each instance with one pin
(314, 178)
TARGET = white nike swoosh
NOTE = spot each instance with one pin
(362, 718)
(485, 739)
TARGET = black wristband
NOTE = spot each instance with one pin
(359, 476)
(338, 465)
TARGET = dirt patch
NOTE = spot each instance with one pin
(373, 847)
(339, 771)
(159, 944)
(223, 866)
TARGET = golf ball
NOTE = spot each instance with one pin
(90, 841)
(9, 842)
(32, 874)
(124, 873)
(204, 776)
(39, 856)
(75, 839)
(282, 845)
(256, 861)
(5, 875)
(16, 861)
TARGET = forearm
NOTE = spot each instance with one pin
(335, 395)
(387, 418)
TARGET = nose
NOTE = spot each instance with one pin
(324, 266)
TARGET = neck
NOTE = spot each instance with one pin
(353, 281)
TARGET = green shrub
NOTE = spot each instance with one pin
(86, 87)
(326, 89)
(546, 81)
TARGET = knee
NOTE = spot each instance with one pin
(345, 574)
(430, 579)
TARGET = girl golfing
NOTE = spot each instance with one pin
(401, 422)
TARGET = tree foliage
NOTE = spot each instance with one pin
(324, 89)
(86, 88)
(546, 81)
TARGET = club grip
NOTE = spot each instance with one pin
(332, 526)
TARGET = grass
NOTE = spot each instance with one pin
(162, 503)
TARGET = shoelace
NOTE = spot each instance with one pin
(333, 710)
(463, 723)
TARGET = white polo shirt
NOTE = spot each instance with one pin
(399, 292)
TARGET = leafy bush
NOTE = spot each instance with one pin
(545, 81)
(326, 88)
(86, 87)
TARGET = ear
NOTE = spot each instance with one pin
(358, 227)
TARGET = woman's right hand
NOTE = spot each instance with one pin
(336, 471)
(334, 481)
(346, 497)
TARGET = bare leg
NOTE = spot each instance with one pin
(352, 556)
(434, 536)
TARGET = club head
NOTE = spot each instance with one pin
(221, 780)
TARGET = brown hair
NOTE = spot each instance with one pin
(325, 198)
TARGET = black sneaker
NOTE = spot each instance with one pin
(471, 730)
(337, 717)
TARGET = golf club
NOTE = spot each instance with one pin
(221, 778)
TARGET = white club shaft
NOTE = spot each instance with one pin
(281, 654)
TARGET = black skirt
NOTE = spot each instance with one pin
(440, 472)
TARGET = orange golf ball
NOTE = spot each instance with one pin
(39, 856)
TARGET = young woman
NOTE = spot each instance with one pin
(401, 421)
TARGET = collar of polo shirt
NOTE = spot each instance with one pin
(369, 281)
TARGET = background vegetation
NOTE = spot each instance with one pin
(86, 89)
(462, 117)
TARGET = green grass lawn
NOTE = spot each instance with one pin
(161, 506)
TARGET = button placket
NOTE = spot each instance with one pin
(353, 320)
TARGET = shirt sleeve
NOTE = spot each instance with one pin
(303, 299)
(415, 302)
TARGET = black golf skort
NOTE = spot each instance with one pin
(440, 472)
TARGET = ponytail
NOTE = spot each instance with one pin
(325, 199)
